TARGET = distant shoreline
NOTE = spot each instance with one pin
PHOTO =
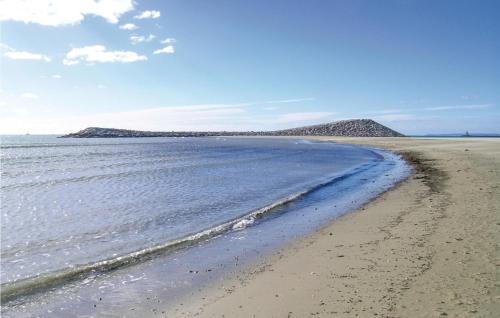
(456, 136)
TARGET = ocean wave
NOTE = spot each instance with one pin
(31, 285)
(150, 171)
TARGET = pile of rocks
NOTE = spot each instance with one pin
(97, 132)
(350, 128)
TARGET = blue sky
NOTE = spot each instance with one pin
(416, 66)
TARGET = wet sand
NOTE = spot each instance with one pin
(426, 248)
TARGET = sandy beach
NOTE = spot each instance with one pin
(426, 248)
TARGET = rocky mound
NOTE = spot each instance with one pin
(349, 128)
(97, 132)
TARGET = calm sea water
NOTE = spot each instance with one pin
(73, 206)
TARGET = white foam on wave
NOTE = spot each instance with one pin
(304, 141)
(243, 223)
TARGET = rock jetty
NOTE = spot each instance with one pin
(348, 128)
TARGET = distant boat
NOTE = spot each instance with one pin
(27, 134)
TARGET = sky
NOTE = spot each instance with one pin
(416, 66)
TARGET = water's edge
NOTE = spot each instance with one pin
(52, 281)
(13, 290)
(268, 259)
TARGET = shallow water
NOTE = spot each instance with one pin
(69, 202)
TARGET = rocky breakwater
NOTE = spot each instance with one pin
(348, 128)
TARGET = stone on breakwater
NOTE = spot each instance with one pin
(348, 128)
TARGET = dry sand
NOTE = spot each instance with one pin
(427, 248)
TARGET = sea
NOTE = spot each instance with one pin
(101, 227)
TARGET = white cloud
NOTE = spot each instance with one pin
(99, 54)
(166, 50)
(168, 41)
(270, 108)
(23, 55)
(433, 109)
(62, 12)
(286, 101)
(193, 117)
(279, 101)
(56, 76)
(13, 54)
(129, 26)
(306, 116)
(100, 86)
(70, 62)
(29, 96)
(454, 107)
(148, 14)
(204, 117)
(136, 39)
(5, 47)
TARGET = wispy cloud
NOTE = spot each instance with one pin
(233, 116)
(303, 117)
(456, 107)
(99, 54)
(278, 101)
(29, 96)
(13, 54)
(56, 76)
(148, 14)
(62, 12)
(136, 39)
(194, 117)
(23, 55)
(432, 109)
(166, 50)
(286, 101)
(270, 108)
(129, 26)
(168, 41)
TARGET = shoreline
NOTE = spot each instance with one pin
(350, 188)
(401, 254)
